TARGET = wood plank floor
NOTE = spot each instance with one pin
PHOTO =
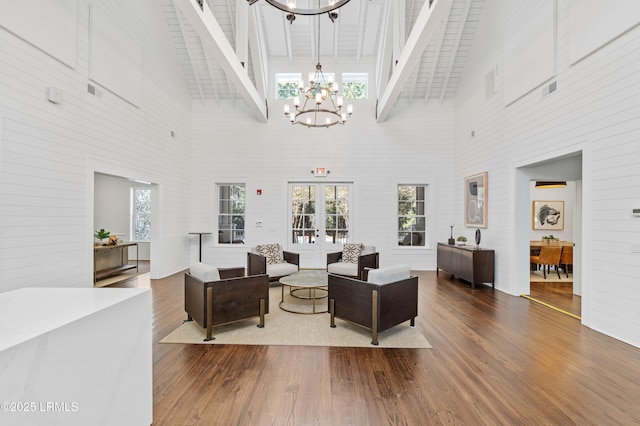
(557, 294)
(497, 360)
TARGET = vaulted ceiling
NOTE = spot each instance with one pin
(419, 47)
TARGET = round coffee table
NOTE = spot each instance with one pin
(305, 285)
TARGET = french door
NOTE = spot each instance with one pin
(320, 220)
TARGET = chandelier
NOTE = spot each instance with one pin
(290, 7)
(319, 108)
(322, 106)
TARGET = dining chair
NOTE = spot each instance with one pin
(549, 256)
(566, 258)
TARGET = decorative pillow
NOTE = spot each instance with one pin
(351, 252)
(271, 252)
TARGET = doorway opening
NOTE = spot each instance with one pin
(560, 288)
(126, 207)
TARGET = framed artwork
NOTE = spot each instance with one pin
(475, 200)
(547, 215)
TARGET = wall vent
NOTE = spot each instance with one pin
(94, 90)
(550, 88)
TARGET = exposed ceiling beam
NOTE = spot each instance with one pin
(242, 31)
(456, 46)
(190, 55)
(385, 51)
(399, 13)
(428, 22)
(286, 26)
(436, 58)
(363, 20)
(258, 52)
(215, 42)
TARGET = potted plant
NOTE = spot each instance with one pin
(101, 235)
(461, 240)
(549, 240)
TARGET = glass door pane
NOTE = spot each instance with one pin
(303, 214)
(336, 214)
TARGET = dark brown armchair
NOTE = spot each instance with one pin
(376, 306)
(232, 297)
(368, 259)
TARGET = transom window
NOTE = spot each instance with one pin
(231, 211)
(412, 217)
(329, 77)
(354, 85)
(287, 85)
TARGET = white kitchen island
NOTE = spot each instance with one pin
(75, 356)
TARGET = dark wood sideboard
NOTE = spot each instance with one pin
(469, 263)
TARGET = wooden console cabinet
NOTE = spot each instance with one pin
(469, 263)
(112, 259)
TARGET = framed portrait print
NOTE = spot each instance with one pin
(548, 215)
(475, 200)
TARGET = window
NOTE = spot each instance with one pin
(231, 198)
(354, 85)
(141, 214)
(412, 218)
(287, 85)
(329, 77)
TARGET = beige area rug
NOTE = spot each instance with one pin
(552, 277)
(285, 328)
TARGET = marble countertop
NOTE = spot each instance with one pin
(29, 312)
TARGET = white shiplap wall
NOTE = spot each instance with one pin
(50, 152)
(229, 146)
(596, 111)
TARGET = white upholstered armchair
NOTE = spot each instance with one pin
(272, 260)
(352, 260)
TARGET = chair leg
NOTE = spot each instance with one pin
(332, 312)
(262, 310)
(558, 271)
(209, 315)
(374, 317)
